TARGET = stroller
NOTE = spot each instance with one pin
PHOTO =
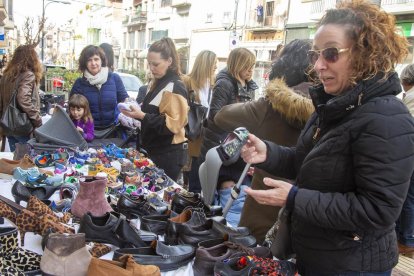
(57, 132)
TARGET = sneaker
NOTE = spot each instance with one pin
(253, 265)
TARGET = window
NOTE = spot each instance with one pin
(132, 40)
(157, 35)
(270, 6)
(165, 3)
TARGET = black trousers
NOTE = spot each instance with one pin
(171, 161)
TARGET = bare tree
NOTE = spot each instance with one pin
(31, 35)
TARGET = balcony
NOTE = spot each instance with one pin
(136, 53)
(139, 18)
(126, 20)
(3, 12)
(129, 53)
(398, 6)
(274, 22)
(180, 3)
(318, 7)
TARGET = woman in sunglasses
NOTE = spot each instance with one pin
(355, 156)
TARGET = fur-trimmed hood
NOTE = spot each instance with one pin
(290, 101)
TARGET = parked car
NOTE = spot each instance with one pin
(132, 84)
(48, 87)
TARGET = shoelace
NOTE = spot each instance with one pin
(239, 248)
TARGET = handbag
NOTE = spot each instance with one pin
(14, 121)
(282, 244)
(196, 117)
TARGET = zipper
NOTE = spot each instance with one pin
(316, 135)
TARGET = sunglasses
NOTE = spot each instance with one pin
(330, 54)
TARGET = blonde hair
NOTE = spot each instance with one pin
(203, 69)
(80, 101)
(240, 59)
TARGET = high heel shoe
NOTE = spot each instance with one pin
(7, 212)
(20, 192)
(28, 221)
(39, 208)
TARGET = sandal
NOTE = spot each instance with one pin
(44, 160)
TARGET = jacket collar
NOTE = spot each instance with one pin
(290, 102)
(331, 108)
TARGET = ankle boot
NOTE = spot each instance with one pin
(65, 255)
(8, 270)
(91, 198)
(16, 257)
(7, 212)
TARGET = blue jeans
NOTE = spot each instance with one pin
(16, 139)
(233, 216)
(405, 223)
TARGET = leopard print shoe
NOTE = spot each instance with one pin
(7, 212)
(97, 250)
(39, 208)
(15, 257)
(28, 221)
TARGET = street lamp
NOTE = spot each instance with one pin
(43, 19)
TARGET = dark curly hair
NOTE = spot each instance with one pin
(292, 64)
(90, 51)
(377, 46)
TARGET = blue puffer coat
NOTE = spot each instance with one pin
(103, 103)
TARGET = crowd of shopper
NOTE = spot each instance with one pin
(330, 141)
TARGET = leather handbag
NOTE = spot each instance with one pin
(282, 244)
(14, 121)
(196, 117)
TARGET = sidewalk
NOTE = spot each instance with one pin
(405, 266)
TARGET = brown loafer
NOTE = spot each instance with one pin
(125, 267)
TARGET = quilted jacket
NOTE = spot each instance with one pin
(352, 164)
(103, 103)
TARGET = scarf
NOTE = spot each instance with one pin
(98, 79)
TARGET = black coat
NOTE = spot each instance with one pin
(227, 90)
(353, 177)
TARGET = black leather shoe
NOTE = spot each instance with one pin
(212, 251)
(188, 234)
(156, 223)
(113, 228)
(185, 199)
(134, 207)
(167, 258)
(188, 217)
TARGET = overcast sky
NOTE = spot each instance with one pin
(56, 13)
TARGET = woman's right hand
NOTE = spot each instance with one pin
(135, 112)
(254, 151)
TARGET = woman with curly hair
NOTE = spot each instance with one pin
(354, 158)
(24, 71)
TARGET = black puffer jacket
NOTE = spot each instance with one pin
(353, 178)
(227, 90)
